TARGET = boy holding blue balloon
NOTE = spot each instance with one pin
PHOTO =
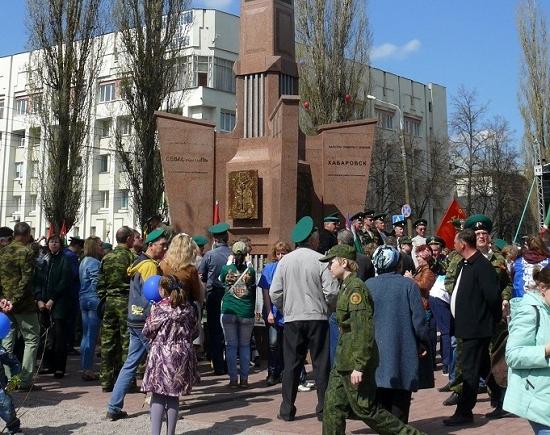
(7, 410)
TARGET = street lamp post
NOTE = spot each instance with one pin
(403, 154)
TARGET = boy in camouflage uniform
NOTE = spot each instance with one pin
(114, 287)
(351, 386)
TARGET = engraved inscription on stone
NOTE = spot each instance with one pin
(243, 194)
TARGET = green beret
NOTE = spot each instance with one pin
(220, 228)
(332, 218)
(106, 245)
(302, 230)
(200, 240)
(435, 240)
(405, 240)
(154, 235)
(479, 222)
(340, 251)
(500, 244)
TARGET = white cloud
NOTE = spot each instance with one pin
(389, 50)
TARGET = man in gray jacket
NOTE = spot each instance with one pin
(304, 289)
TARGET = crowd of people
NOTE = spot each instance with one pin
(371, 307)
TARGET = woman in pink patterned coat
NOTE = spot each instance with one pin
(171, 364)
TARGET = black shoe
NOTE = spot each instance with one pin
(289, 418)
(498, 412)
(459, 420)
(320, 417)
(452, 400)
(114, 416)
(272, 380)
(445, 389)
(45, 371)
(445, 370)
(108, 389)
(58, 374)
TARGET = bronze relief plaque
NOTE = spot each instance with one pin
(243, 194)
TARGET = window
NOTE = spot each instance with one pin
(412, 126)
(183, 69)
(34, 169)
(124, 199)
(107, 92)
(201, 68)
(33, 202)
(21, 106)
(103, 160)
(103, 199)
(227, 120)
(76, 231)
(18, 170)
(104, 128)
(385, 119)
(123, 125)
(1, 109)
(21, 141)
(224, 76)
(186, 18)
(17, 201)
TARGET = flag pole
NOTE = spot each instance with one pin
(524, 209)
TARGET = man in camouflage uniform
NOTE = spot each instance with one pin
(16, 275)
(369, 233)
(114, 287)
(351, 385)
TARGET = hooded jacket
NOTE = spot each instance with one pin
(528, 391)
(138, 306)
(522, 271)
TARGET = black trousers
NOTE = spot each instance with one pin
(475, 363)
(215, 338)
(299, 337)
(56, 346)
(398, 402)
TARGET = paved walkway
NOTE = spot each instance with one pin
(72, 406)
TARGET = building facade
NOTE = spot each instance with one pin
(206, 91)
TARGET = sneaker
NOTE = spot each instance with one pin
(114, 416)
(233, 384)
(244, 383)
(304, 388)
(452, 400)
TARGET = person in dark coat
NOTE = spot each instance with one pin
(401, 334)
(407, 263)
(57, 302)
(476, 305)
(327, 235)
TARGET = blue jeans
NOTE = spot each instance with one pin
(275, 357)
(443, 318)
(540, 429)
(237, 331)
(334, 336)
(452, 365)
(90, 329)
(7, 412)
(137, 348)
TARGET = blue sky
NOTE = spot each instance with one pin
(451, 43)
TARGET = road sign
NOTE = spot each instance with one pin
(406, 210)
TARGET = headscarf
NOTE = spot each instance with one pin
(385, 259)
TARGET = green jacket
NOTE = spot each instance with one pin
(16, 277)
(499, 263)
(114, 279)
(451, 265)
(356, 348)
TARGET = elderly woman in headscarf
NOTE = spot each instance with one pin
(400, 332)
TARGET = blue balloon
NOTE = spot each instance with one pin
(5, 325)
(151, 288)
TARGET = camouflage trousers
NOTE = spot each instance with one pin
(342, 397)
(114, 339)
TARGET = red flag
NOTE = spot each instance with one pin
(63, 231)
(217, 213)
(446, 230)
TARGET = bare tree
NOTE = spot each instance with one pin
(534, 92)
(151, 35)
(468, 140)
(334, 40)
(64, 65)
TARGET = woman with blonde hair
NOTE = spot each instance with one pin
(88, 272)
(179, 261)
